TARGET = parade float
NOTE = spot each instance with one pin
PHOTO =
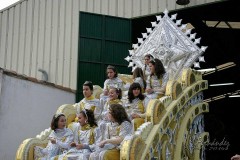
(174, 123)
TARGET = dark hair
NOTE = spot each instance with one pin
(118, 91)
(139, 73)
(159, 68)
(55, 119)
(118, 113)
(149, 56)
(114, 70)
(130, 92)
(90, 117)
(89, 84)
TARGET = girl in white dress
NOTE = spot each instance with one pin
(138, 77)
(135, 107)
(89, 101)
(112, 81)
(157, 81)
(85, 137)
(59, 139)
(113, 136)
(145, 68)
(114, 97)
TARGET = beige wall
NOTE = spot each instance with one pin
(43, 34)
(26, 109)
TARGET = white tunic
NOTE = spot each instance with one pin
(64, 137)
(137, 106)
(115, 82)
(86, 135)
(158, 85)
(113, 130)
(146, 71)
(90, 103)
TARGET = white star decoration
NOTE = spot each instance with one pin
(196, 65)
(168, 43)
(201, 59)
(127, 58)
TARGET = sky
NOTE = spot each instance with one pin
(5, 3)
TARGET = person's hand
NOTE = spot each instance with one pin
(105, 92)
(102, 143)
(149, 90)
(53, 140)
(134, 115)
(79, 146)
(236, 157)
(73, 144)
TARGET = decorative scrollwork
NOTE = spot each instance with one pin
(137, 147)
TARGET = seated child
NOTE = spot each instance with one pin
(112, 81)
(59, 139)
(157, 81)
(85, 136)
(136, 105)
(113, 135)
(114, 97)
(89, 101)
(146, 70)
(138, 77)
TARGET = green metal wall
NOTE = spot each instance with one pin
(103, 40)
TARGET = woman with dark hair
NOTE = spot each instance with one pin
(89, 101)
(138, 77)
(59, 139)
(85, 137)
(117, 130)
(157, 81)
(136, 105)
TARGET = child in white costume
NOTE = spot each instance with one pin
(59, 139)
(138, 77)
(135, 107)
(112, 81)
(116, 131)
(157, 81)
(146, 70)
(89, 101)
(85, 136)
(114, 97)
